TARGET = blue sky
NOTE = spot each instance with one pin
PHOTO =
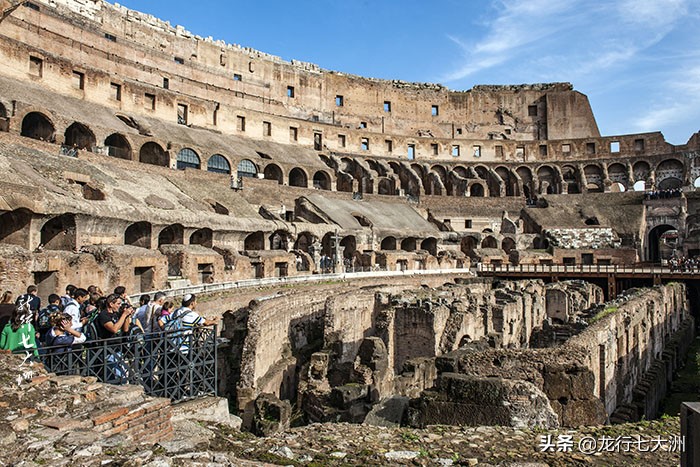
(637, 60)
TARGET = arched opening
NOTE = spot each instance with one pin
(203, 237)
(388, 243)
(138, 234)
(592, 221)
(297, 177)
(508, 245)
(545, 174)
(641, 171)
(279, 240)
(386, 187)
(429, 245)
(570, 179)
(273, 172)
(188, 159)
(80, 136)
(152, 153)
(59, 233)
(594, 178)
(36, 125)
(617, 187)
(476, 190)
(118, 146)
(254, 242)
(350, 246)
(618, 173)
(322, 181)
(218, 164)
(408, 244)
(641, 185)
(304, 242)
(669, 183)
(246, 168)
(172, 235)
(663, 241)
(15, 227)
(468, 245)
(508, 180)
(489, 242)
(669, 175)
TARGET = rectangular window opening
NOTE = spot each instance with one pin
(339, 101)
(614, 146)
(532, 110)
(290, 91)
(363, 125)
(499, 152)
(293, 133)
(240, 123)
(166, 83)
(318, 142)
(267, 129)
(116, 91)
(387, 106)
(237, 77)
(411, 152)
(459, 131)
(639, 145)
(566, 148)
(78, 80)
(389, 145)
(182, 114)
(520, 152)
(110, 37)
(434, 148)
(477, 151)
(364, 144)
(36, 66)
(149, 101)
(32, 6)
(434, 110)
(543, 149)
(467, 223)
(179, 60)
(341, 141)
(455, 150)
(590, 148)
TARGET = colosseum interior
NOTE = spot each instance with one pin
(137, 153)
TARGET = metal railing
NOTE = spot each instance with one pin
(640, 269)
(179, 364)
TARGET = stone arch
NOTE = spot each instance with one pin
(489, 242)
(152, 153)
(118, 146)
(476, 190)
(349, 244)
(654, 239)
(570, 178)
(547, 178)
(15, 227)
(279, 240)
(188, 159)
(468, 245)
(138, 234)
(219, 164)
(80, 136)
(429, 245)
(254, 242)
(618, 173)
(594, 178)
(669, 174)
(641, 170)
(386, 186)
(298, 177)
(247, 168)
(525, 175)
(60, 233)
(273, 172)
(510, 183)
(172, 235)
(322, 180)
(344, 182)
(36, 125)
(304, 241)
(203, 237)
(388, 243)
(508, 244)
(408, 244)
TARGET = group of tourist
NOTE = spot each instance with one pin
(85, 315)
(663, 194)
(684, 264)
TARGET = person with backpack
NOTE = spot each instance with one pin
(44, 321)
(73, 307)
(184, 319)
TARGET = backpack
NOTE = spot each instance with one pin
(173, 328)
(43, 323)
(90, 328)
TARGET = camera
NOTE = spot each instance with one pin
(124, 306)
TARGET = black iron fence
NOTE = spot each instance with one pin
(177, 364)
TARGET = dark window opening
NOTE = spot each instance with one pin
(290, 91)
(639, 145)
(32, 6)
(318, 142)
(149, 101)
(237, 77)
(389, 145)
(363, 125)
(387, 106)
(293, 133)
(36, 66)
(339, 101)
(166, 83)
(78, 80)
(467, 223)
(434, 110)
(532, 110)
(590, 148)
(182, 114)
(364, 144)
(116, 91)
(267, 129)
(543, 149)
(434, 148)
(341, 141)
(180, 60)
(110, 37)
(240, 123)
